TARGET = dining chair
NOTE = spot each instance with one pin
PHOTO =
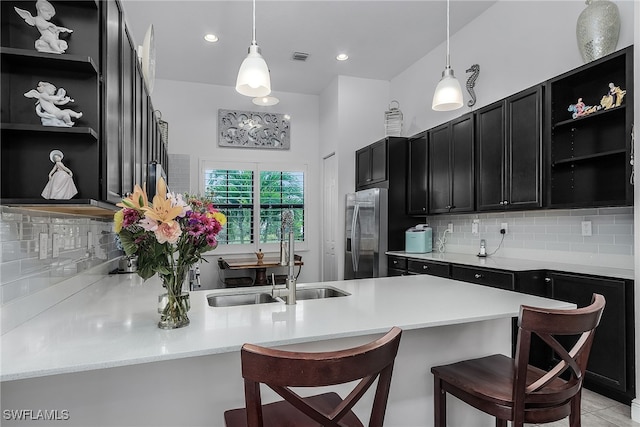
(512, 390)
(284, 370)
(231, 282)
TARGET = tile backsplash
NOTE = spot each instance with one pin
(81, 243)
(548, 235)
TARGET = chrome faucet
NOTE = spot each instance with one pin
(287, 258)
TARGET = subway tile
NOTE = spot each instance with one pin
(8, 216)
(558, 212)
(623, 219)
(615, 249)
(9, 231)
(546, 237)
(558, 246)
(9, 271)
(600, 238)
(546, 220)
(623, 239)
(616, 211)
(584, 247)
(533, 244)
(558, 229)
(513, 243)
(572, 238)
(624, 229)
(583, 212)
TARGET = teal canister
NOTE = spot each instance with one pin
(418, 239)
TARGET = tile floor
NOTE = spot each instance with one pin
(599, 411)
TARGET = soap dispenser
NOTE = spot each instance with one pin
(483, 248)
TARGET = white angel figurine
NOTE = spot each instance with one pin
(60, 185)
(46, 106)
(49, 33)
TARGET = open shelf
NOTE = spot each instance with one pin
(49, 60)
(587, 157)
(588, 117)
(84, 207)
(49, 129)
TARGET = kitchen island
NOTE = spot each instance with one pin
(98, 358)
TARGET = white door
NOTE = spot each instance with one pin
(330, 213)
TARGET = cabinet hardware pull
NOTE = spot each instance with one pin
(501, 203)
(547, 279)
(478, 276)
(506, 202)
(425, 267)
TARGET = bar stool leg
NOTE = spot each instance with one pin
(439, 404)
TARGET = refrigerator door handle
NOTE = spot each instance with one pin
(355, 244)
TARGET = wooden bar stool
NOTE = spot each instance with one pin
(511, 389)
(281, 370)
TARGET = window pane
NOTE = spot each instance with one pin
(280, 191)
(232, 194)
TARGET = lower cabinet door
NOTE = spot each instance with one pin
(609, 361)
(432, 268)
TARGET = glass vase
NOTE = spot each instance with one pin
(598, 29)
(174, 304)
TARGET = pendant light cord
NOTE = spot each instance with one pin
(448, 61)
(253, 41)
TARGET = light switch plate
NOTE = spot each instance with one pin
(89, 239)
(474, 226)
(44, 243)
(586, 228)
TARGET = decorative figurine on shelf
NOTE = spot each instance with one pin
(613, 98)
(579, 109)
(260, 256)
(49, 33)
(46, 106)
(60, 185)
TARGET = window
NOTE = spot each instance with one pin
(253, 197)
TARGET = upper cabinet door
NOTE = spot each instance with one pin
(524, 150)
(417, 176)
(462, 164)
(509, 149)
(379, 161)
(363, 167)
(490, 151)
(439, 170)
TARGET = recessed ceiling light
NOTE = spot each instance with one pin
(342, 57)
(211, 38)
(266, 100)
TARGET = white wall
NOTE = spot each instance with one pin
(517, 44)
(357, 107)
(635, 405)
(191, 110)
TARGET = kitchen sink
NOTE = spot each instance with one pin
(318, 293)
(230, 300)
(233, 299)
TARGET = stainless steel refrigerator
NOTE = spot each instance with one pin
(366, 234)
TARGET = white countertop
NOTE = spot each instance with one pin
(114, 321)
(514, 264)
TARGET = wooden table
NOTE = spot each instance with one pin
(260, 266)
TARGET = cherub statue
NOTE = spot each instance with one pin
(613, 98)
(60, 185)
(48, 41)
(46, 106)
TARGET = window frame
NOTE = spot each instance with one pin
(257, 168)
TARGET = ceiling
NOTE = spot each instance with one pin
(382, 38)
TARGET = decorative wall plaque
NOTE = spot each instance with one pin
(250, 129)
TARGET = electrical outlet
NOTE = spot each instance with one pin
(586, 228)
(44, 243)
(475, 225)
(450, 227)
(504, 226)
(55, 239)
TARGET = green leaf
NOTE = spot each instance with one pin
(127, 240)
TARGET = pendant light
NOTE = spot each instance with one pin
(448, 95)
(253, 77)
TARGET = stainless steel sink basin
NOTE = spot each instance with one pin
(230, 300)
(233, 299)
(318, 293)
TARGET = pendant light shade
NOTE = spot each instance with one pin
(253, 77)
(448, 94)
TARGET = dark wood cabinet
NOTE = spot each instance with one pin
(417, 176)
(509, 151)
(451, 166)
(371, 164)
(611, 363)
(432, 268)
(484, 276)
(110, 146)
(396, 266)
(589, 157)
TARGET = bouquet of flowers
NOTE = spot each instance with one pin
(168, 236)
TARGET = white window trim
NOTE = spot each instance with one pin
(257, 167)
